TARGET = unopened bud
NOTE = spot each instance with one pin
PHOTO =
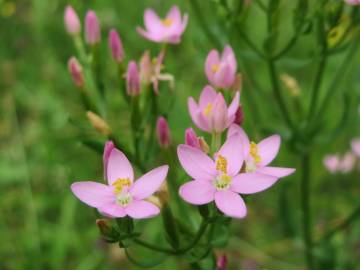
(239, 116)
(98, 123)
(146, 67)
(92, 28)
(237, 84)
(116, 47)
(132, 79)
(191, 138)
(163, 132)
(222, 263)
(76, 72)
(72, 22)
(291, 84)
(104, 228)
(203, 145)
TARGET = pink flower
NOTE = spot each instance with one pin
(132, 79)
(116, 47)
(220, 180)
(191, 138)
(163, 132)
(331, 163)
(212, 113)
(92, 28)
(221, 71)
(353, 2)
(258, 156)
(222, 263)
(72, 22)
(76, 72)
(122, 196)
(168, 30)
(355, 146)
(109, 146)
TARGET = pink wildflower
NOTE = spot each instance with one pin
(122, 196)
(76, 72)
(168, 30)
(72, 22)
(212, 113)
(116, 47)
(163, 132)
(133, 79)
(92, 28)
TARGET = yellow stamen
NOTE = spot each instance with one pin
(254, 152)
(215, 68)
(221, 164)
(120, 183)
(167, 22)
(208, 109)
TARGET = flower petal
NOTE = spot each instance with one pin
(109, 146)
(236, 129)
(196, 115)
(112, 210)
(174, 14)
(196, 163)
(147, 184)
(119, 167)
(208, 95)
(248, 183)
(197, 192)
(234, 104)
(230, 203)
(212, 60)
(93, 193)
(232, 150)
(141, 209)
(268, 149)
(152, 21)
(276, 171)
(228, 56)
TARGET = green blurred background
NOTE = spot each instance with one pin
(43, 226)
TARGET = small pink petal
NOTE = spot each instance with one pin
(197, 192)
(249, 183)
(276, 171)
(244, 138)
(212, 60)
(118, 167)
(218, 118)
(93, 193)
(228, 56)
(268, 149)
(175, 15)
(232, 150)
(224, 78)
(109, 146)
(147, 184)
(208, 95)
(230, 203)
(141, 209)
(196, 115)
(152, 21)
(234, 104)
(112, 210)
(196, 163)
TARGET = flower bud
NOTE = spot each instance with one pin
(222, 263)
(132, 79)
(72, 22)
(239, 116)
(163, 132)
(203, 145)
(191, 138)
(116, 47)
(109, 146)
(98, 123)
(291, 84)
(104, 228)
(76, 72)
(145, 67)
(92, 28)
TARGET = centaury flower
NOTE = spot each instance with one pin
(212, 113)
(219, 179)
(258, 156)
(122, 196)
(168, 30)
(221, 70)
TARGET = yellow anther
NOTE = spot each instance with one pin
(120, 183)
(221, 164)
(215, 68)
(254, 152)
(208, 109)
(167, 22)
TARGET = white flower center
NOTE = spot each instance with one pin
(222, 181)
(124, 198)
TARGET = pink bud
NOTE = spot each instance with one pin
(132, 79)
(76, 72)
(191, 138)
(116, 47)
(146, 67)
(109, 146)
(239, 116)
(92, 28)
(163, 132)
(222, 263)
(72, 22)
(218, 120)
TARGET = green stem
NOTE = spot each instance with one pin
(215, 142)
(306, 213)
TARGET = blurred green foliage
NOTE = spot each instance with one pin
(43, 226)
